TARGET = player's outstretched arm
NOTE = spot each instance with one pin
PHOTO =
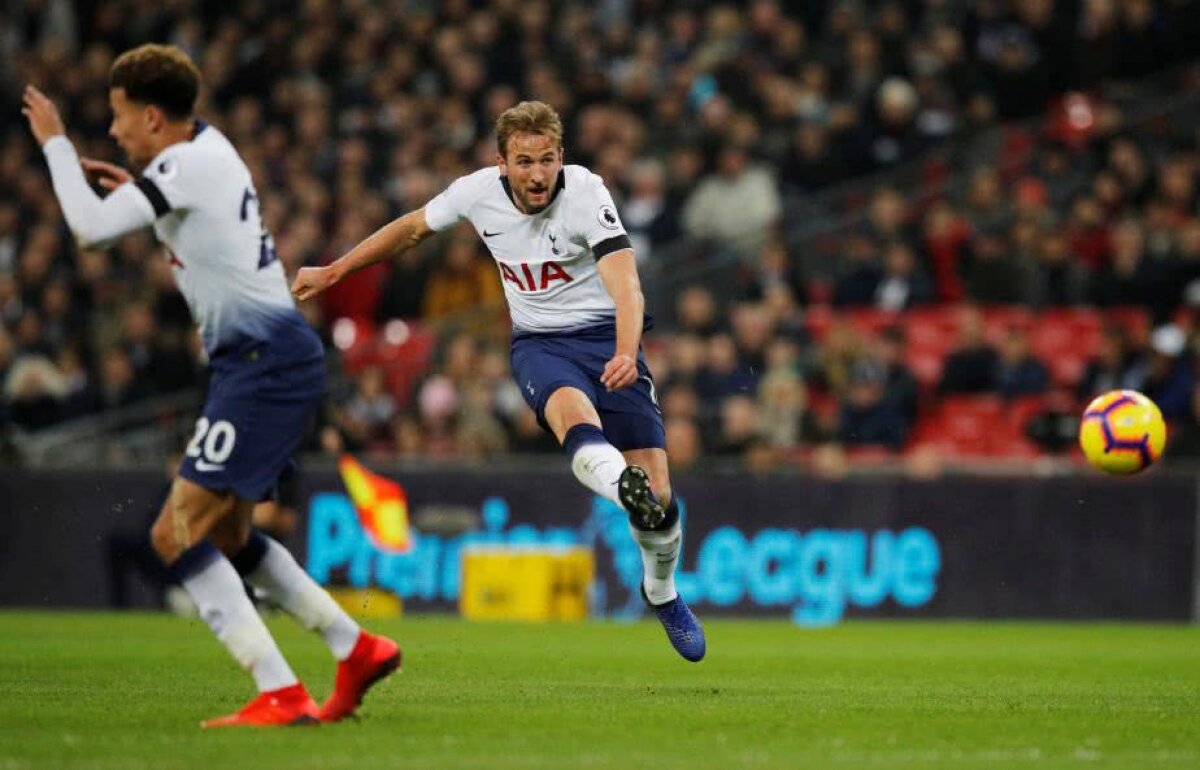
(93, 220)
(619, 273)
(387, 242)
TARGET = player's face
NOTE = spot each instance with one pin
(531, 165)
(131, 127)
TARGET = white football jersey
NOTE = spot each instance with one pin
(224, 261)
(547, 261)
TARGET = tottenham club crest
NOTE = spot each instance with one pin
(608, 217)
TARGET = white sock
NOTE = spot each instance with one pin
(598, 467)
(295, 591)
(660, 555)
(222, 603)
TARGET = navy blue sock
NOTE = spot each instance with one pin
(671, 515)
(580, 435)
(247, 560)
(193, 560)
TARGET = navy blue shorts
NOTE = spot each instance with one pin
(256, 414)
(541, 364)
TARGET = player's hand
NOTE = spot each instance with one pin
(107, 175)
(311, 281)
(620, 372)
(42, 115)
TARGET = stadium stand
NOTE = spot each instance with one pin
(899, 172)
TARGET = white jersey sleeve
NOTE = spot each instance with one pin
(95, 221)
(597, 215)
(454, 204)
(175, 178)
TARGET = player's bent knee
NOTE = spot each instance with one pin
(568, 407)
(230, 543)
(162, 539)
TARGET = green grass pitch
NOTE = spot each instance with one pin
(86, 690)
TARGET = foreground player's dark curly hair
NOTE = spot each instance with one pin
(161, 75)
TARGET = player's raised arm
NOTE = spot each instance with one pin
(95, 221)
(619, 273)
(387, 242)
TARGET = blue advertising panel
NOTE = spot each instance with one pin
(783, 546)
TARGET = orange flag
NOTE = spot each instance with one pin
(381, 504)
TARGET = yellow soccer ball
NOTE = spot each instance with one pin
(1122, 432)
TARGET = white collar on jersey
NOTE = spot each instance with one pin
(559, 186)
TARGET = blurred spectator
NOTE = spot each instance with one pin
(462, 282)
(367, 416)
(402, 294)
(119, 385)
(972, 366)
(998, 275)
(743, 227)
(1114, 368)
(696, 311)
(785, 419)
(866, 416)
(1056, 427)
(1018, 371)
(752, 334)
(900, 385)
(895, 134)
(858, 283)
(1184, 435)
(33, 391)
(648, 213)
(1130, 278)
(1187, 266)
(1060, 280)
(340, 142)
(774, 270)
(738, 426)
(946, 241)
(80, 397)
(479, 433)
(687, 358)
(842, 349)
(987, 209)
(1171, 375)
(812, 163)
(903, 285)
(724, 374)
(683, 442)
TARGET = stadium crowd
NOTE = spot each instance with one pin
(708, 121)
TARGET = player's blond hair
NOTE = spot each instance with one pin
(528, 118)
(161, 75)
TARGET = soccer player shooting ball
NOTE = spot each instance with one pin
(268, 372)
(573, 292)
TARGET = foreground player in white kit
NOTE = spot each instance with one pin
(268, 372)
(571, 281)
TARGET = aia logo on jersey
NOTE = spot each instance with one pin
(526, 280)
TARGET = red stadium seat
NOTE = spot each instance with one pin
(1135, 321)
(926, 366)
(403, 352)
(998, 320)
(817, 320)
(978, 426)
(870, 322)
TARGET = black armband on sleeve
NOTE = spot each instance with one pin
(154, 195)
(616, 243)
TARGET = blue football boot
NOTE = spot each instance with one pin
(682, 627)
